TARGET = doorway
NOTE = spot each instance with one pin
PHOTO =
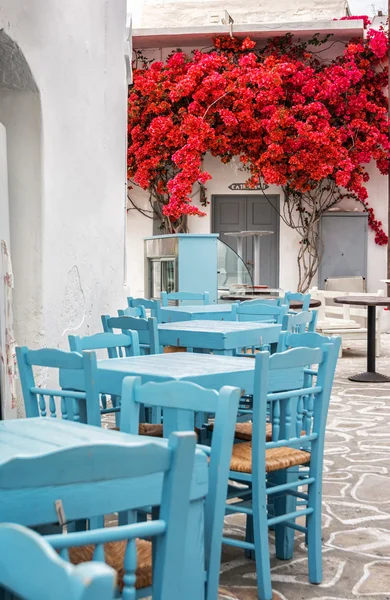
(250, 213)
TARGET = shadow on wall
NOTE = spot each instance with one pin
(20, 113)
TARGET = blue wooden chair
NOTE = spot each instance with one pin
(272, 469)
(136, 311)
(288, 341)
(297, 297)
(180, 402)
(153, 306)
(117, 346)
(77, 406)
(253, 310)
(120, 473)
(146, 328)
(31, 569)
(300, 322)
(178, 297)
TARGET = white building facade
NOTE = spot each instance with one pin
(63, 99)
(160, 34)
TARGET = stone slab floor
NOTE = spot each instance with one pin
(356, 501)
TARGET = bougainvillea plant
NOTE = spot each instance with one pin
(292, 118)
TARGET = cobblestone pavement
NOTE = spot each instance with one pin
(356, 501)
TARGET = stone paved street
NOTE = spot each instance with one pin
(356, 501)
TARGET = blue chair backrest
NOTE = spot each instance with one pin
(289, 340)
(121, 473)
(43, 575)
(204, 297)
(252, 310)
(136, 311)
(117, 344)
(180, 401)
(38, 401)
(297, 297)
(292, 409)
(265, 300)
(153, 305)
(146, 328)
(300, 322)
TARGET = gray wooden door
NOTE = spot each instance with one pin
(344, 236)
(250, 213)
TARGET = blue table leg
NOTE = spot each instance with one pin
(284, 536)
(193, 583)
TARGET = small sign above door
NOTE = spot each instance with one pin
(242, 187)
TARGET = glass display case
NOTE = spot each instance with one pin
(233, 273)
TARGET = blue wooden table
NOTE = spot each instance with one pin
(33, 506)
(207, 370)
(220, 336)
(209, 312)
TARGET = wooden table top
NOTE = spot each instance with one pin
(367, 301)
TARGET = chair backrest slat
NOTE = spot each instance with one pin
(114, 343)
(252, 310)
(133, 311)
(111, 459)
(52, 357)
(203, 297)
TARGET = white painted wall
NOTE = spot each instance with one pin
(20, 112)
(189, 13)
(69, 148)
(5, 392)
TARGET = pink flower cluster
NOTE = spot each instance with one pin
(291, 119)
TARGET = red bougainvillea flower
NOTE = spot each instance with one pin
(291, 119)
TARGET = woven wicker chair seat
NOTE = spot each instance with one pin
(114, 555)
(244, 431)
(275, 458)
(151, 429)
(173, 349)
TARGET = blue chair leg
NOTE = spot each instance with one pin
(283, 504)
(249, 537)
(263, 564)
(128, 517)
(96, 522)
(115, 403)
(314, 532)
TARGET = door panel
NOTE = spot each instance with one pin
(229, 215)
(345, 246)
(251, 213)
(262, 216)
